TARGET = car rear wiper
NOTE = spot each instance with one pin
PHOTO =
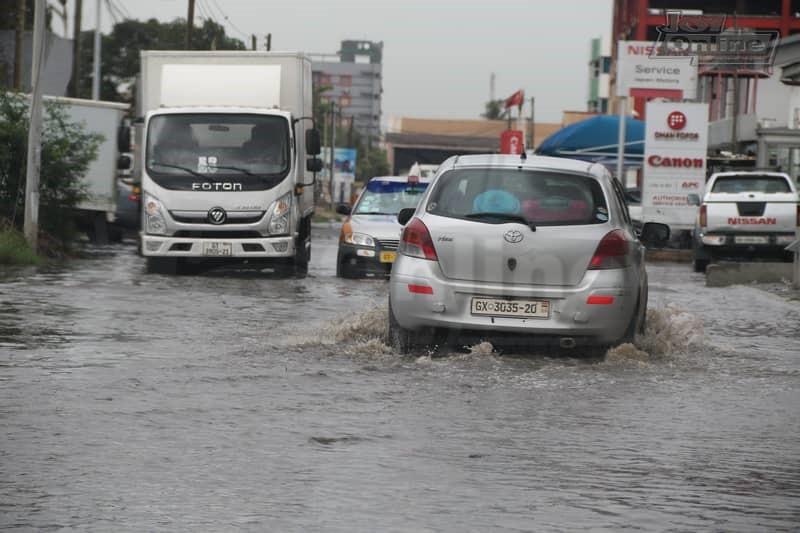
(185, 169)
(503, 217)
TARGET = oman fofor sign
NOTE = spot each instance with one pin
(676, 140)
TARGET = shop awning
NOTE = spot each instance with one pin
(595, 139)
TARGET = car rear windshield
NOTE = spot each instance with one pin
(540, 197)
(388, 197)
(751, 183)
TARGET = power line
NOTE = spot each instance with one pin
(120, 6)
(228, 20)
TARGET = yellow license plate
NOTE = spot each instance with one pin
(388, 257)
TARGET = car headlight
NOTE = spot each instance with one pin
(359, 239)
(279, 213)
(155, 223)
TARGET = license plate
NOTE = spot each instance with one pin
(510, 308)
(388, 257)
(751, 239)
(218, 249)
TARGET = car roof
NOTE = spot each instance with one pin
(750, 173)
(396, 179)
(530, 162)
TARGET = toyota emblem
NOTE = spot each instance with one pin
(217, 215)
(513, 236)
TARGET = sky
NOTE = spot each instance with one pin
(438, 54)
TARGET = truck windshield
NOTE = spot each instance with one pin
(253, 149)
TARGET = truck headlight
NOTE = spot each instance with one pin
(359, 239)
(279, 213)
(155, 223)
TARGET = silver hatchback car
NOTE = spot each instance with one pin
(541, 250)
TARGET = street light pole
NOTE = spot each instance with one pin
(34, 157)
(96, 77)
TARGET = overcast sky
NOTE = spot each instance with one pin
(438, 54)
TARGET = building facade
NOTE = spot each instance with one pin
(354, 82)
(599, 75)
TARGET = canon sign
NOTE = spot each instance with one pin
(675, 162)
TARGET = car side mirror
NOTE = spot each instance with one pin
(693, 199)
(654, 235)
(314, 164)
(343, 209)
(313, 142)
(124, 139)
(405, 215)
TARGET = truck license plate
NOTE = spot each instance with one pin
(218, 249)
(510, 308)
(751, 239)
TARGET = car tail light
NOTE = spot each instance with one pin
(417, 242)
(704, 216)
(612, 252)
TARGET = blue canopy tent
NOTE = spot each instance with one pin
(595, 139)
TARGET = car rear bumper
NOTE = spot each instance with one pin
(448, 303)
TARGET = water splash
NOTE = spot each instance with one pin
(669, 332)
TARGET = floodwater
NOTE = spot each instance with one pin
(135, 402)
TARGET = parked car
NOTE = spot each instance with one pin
(540, 249)
(369, 236)
(745, 214)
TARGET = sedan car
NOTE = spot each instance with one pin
(369, 236)
(539, 249)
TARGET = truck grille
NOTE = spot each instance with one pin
(218, 234)
(751, 209)
(201, 217)
(389, 244)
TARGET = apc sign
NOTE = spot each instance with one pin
(643, 72)
(676, 140)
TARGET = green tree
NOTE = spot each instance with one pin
(8, 15)
(120, 51)
(67, 151)
(494, 110)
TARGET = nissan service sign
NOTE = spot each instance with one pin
(676, 140)
(642, 72)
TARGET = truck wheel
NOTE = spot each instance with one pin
(162, 265)
(700, 265)
(302, 254)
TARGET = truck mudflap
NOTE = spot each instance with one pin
(218, 248)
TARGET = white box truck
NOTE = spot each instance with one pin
(99, 208)
(228, 158)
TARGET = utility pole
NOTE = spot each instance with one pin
(75, 82)
(189, 25)
(31, 224)
(333, 149)
(253, 42)
(96, 76)
(19, 45)
(533, 125)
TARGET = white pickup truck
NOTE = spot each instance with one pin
(752, 214)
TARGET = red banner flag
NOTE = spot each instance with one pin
(515, 99)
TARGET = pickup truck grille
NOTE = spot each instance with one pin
(751, 209)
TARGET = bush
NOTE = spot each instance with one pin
(14, 250)
(67, 151)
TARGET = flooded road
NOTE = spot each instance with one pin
(135, 402)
